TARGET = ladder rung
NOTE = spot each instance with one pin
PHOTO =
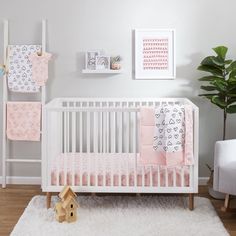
(24, 160)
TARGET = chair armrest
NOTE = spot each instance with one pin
(225, 152)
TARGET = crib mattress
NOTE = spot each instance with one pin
(113, 169)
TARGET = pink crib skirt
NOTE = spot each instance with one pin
(113, 170)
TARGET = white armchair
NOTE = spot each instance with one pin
(225, 169)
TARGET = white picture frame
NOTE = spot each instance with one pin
(155, 54)
(90, 59)
(103, 62)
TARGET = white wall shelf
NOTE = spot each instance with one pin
(85, 71)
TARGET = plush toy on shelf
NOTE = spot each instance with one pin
(66, 208)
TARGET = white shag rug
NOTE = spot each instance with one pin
(123, 215)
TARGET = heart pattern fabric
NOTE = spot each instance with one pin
(169, 132)
(20, 68)
(23, 121)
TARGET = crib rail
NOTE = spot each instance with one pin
(92, 145)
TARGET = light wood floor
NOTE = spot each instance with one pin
(15, 198)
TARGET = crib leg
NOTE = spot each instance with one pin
(191, 201)
(49, 195)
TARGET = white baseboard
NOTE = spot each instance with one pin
(203, 180)
(37, 180)
(22, 180)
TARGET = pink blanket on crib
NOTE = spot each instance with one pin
(112, 169)
(149, 156)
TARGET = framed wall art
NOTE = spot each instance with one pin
(90, 59)
(102, 62)
(155, 54)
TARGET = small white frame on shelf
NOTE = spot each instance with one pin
(155, 54)
(90, 59)
(102, 62)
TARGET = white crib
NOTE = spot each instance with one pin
(92, 144)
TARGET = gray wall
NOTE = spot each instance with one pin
(76, 26)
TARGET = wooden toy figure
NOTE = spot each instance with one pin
(66, 209)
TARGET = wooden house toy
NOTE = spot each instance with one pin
(66, 209)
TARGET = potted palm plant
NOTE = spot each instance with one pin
(220, 87)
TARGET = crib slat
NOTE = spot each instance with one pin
(113, 132)
(68, 131)
(107, 128)
(88, 131)
(134, 147)
(89, 169)
(64, 132)
(73, 171)
(103, 173)
(158, 176)
(104, 132)
(96, 172)
(120, 124)
(120, 173)
(73, 138)
(81, 132)
(81, 146)
(174, 177)
(73, 132)
(182, 177)
(60, 116)
(166, 178)
(65, 169)
(101, 130)
(143, 176)
(127, 132)
(80, 170)
(95, 132)
(57, 174)
(67, 146)
(138, 127)
(151, 176)
(127, 169)
(88, 146)
(113, 144)
(112, 172)
(127, 121)
(191, 176)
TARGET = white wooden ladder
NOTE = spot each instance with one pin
(6, 159)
